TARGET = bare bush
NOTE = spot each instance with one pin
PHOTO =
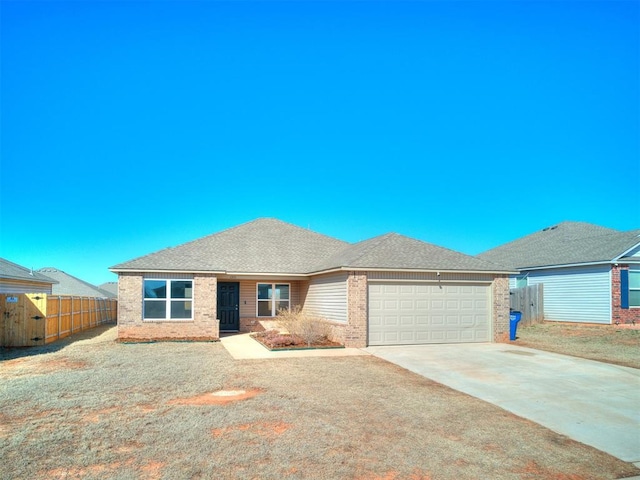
(309, 328)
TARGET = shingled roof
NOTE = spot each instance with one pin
(268, 245)
(265, 245)
(568, 243)
(13, 271)
(70, 285)
(397, 252)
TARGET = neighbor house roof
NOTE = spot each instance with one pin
(111, 287)
(568, 243)
(13, 271)
(70, 285)
(267, 245)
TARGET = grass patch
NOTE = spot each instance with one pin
(139, 411)
(604, 343)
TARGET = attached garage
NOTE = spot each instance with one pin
(409, 313)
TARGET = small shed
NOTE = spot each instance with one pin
(15, 278)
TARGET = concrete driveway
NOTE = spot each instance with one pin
(592, 402)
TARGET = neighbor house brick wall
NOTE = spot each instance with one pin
(355, 334)
(131, 326)
(501, 304)
(619, 314)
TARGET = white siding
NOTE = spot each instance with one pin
(512, 282)
(327, 297)
(576, 294)
(8, 286)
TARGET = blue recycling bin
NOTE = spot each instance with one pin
(514, 318)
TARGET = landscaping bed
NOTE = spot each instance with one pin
(275, 340)
(619, 345)
(295, 329)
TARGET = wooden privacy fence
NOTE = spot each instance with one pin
(530, 301)
(30, 319)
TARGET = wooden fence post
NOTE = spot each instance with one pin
(59, 315)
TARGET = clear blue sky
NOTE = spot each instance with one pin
(128, 127)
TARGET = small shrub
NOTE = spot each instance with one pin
(298, 323)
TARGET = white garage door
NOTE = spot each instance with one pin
(414, 313)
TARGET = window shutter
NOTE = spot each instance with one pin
(624, 288)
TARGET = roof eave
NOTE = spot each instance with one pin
(163, 270)
(636, 245)
(567, 265)
(32, 280)
(414, 270)
(217, 272)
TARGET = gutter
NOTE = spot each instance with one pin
(568, 265)
(413, 270)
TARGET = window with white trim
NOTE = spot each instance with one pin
(272, 297)
(168, 299)
(634, 288)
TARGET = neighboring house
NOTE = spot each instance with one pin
(387, 290)
(590, 273)
(17, 279)
(111, 287)
(70, 285)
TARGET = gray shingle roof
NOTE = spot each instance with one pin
(394, 251)
(265, 245)
(13, 271)
(567, 243)
(70, 285)
(111, 287)
(271, 246)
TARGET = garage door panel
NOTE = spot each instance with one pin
(407, 305)
(407, 321)
(422, 313)
(390, 321)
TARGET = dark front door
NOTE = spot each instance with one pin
(228, 303)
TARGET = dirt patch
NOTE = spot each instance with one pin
(77, 472)
(129, 447)
(264, 429)
(152, 470)
(533, 471)
(221, 397)
(392, 475)
(64, 363)
(95, 417)
(149, 471)
(29, 366)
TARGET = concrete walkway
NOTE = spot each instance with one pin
(592, 402)
(242, 347)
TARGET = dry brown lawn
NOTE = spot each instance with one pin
(94, 408)
(606, 343)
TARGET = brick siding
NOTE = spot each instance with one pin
(355, 332)
(501, 304)
(131, 327)
(618, 314)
